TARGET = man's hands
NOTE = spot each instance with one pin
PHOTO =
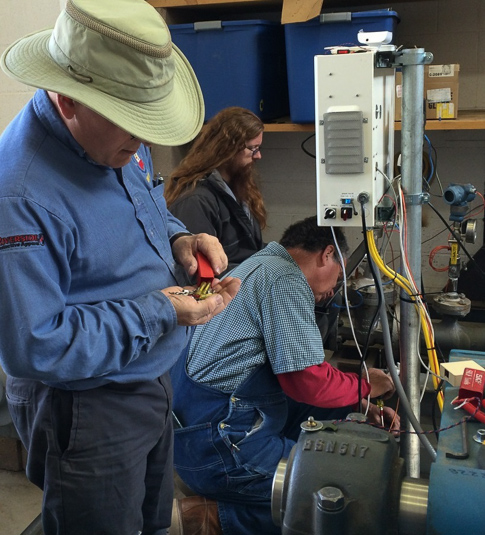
(192, 312)
(185, 247)
(392, 421)
(382, 387)
(381, 384)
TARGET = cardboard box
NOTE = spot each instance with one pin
(440, 92)
(298, 11)
(453, 371)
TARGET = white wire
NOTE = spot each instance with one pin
(439, 183)
(423, 392)
(389, 181)
(407, 272)
(396, 201)
(418, 352)
(344, 276)
(404, 255)
(416, 294)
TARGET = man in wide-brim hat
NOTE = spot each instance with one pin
(92, 265)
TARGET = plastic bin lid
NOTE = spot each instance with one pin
(375, 13)
(348, 16)
(218, 24)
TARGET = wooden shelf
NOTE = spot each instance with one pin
(287, 126)
(212, 3)
(263, 3)
(467, 120)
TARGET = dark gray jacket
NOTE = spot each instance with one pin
(210, 208)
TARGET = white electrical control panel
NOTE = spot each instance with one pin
(354, 125)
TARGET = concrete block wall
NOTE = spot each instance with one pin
(19, 18)
(454, 30)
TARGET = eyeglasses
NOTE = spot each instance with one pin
(254, 150)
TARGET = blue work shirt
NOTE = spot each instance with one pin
(84, 253)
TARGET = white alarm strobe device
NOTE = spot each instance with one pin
(374, 38)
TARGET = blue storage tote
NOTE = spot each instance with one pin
(237, 63)
(307, 39)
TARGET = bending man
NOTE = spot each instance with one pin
(251, 377)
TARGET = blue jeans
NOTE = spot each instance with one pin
(229, 446)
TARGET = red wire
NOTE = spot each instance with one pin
(479, 208)
(432, 255)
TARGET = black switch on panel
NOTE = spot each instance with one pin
(346, 212)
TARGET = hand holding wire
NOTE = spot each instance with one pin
(380, 404)
(191, 311)
(384, 416)
(381, 384)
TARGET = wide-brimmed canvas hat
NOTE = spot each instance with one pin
(117, 58)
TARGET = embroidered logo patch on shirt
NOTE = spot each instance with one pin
(139, 161)
(21, 240)
(141, 165)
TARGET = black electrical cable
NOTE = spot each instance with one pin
(442, 359)
(433, 409)
(425, 295)
(435, 162)
(388, 351)
(433, 237)
(379, 299)
(308, 153)
(397, 382)
(369, 332)
(458, 240)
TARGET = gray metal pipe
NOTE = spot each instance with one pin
(413, 506)
(405, 403)
(412, 132)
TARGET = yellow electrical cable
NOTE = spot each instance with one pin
(406, 286)
(404, 283)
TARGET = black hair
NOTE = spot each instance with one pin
(307, 235)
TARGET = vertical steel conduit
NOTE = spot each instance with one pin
(412, 132)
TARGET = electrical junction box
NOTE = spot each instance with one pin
(354, 126)
(453, 371)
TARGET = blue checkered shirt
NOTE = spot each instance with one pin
(271, 318)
